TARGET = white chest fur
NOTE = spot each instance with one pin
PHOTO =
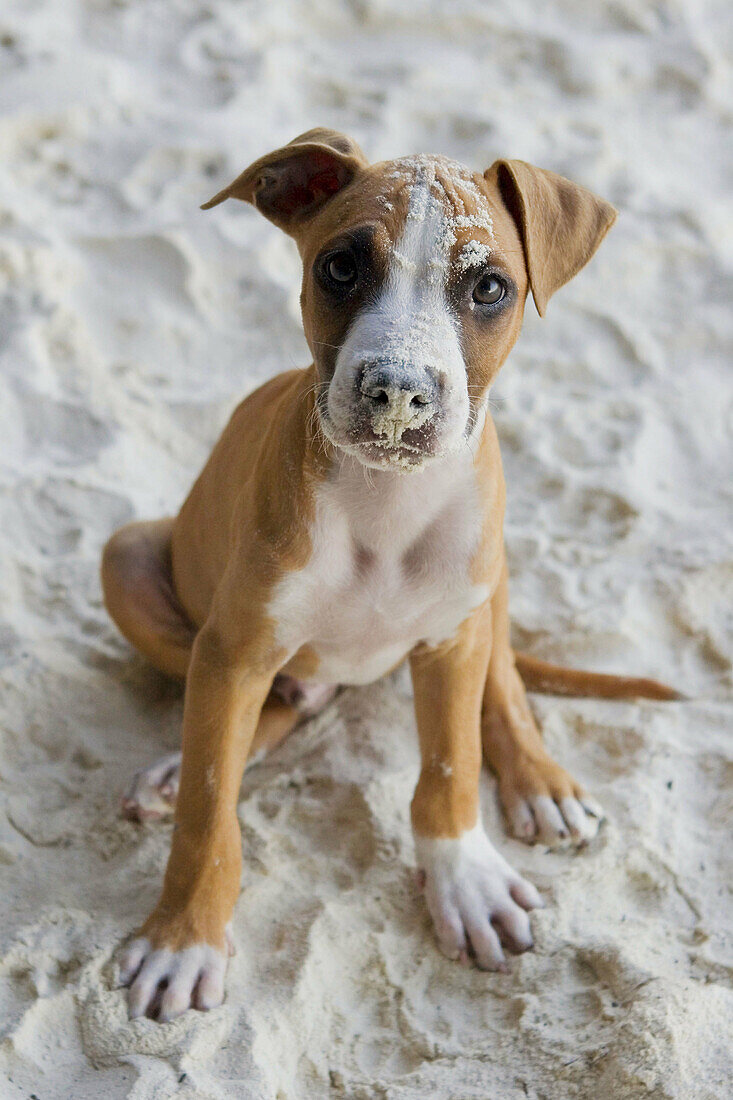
(390, 568)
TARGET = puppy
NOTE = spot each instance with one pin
(349, 518)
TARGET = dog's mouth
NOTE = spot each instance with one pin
(386, 455)
(375, 451)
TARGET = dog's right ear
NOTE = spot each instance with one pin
(291, 184)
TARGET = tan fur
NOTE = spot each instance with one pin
(192, 593)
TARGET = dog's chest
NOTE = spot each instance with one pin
(391, 567)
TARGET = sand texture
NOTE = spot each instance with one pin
(130, 325)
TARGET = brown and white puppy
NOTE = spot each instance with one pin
(350, 517)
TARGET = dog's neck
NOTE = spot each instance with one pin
(387, 511)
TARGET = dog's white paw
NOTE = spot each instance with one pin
(557, 822)
(153, 791)
(164, 983)
(477, 901)
(544, 804)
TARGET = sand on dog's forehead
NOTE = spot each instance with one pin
(446, 192)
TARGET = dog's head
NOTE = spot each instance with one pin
(415, 275)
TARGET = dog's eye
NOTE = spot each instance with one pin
(341, 268)
(489, 290)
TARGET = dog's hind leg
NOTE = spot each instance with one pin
(152, 792)
(137, 582)
(141, 598)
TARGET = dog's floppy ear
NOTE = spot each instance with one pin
(290, 185)
(561, 223)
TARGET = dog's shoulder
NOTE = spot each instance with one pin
(259, 405)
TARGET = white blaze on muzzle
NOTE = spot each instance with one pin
(410, 324)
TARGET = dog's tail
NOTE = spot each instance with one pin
(549, 679)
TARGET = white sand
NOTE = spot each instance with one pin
(133, 323)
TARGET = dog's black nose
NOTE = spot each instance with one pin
(398, 384)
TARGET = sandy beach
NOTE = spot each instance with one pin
(131, 323)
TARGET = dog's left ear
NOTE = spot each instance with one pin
(291, 184)
(561, 223)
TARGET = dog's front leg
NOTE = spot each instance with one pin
(179, 958)
(475, 898)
